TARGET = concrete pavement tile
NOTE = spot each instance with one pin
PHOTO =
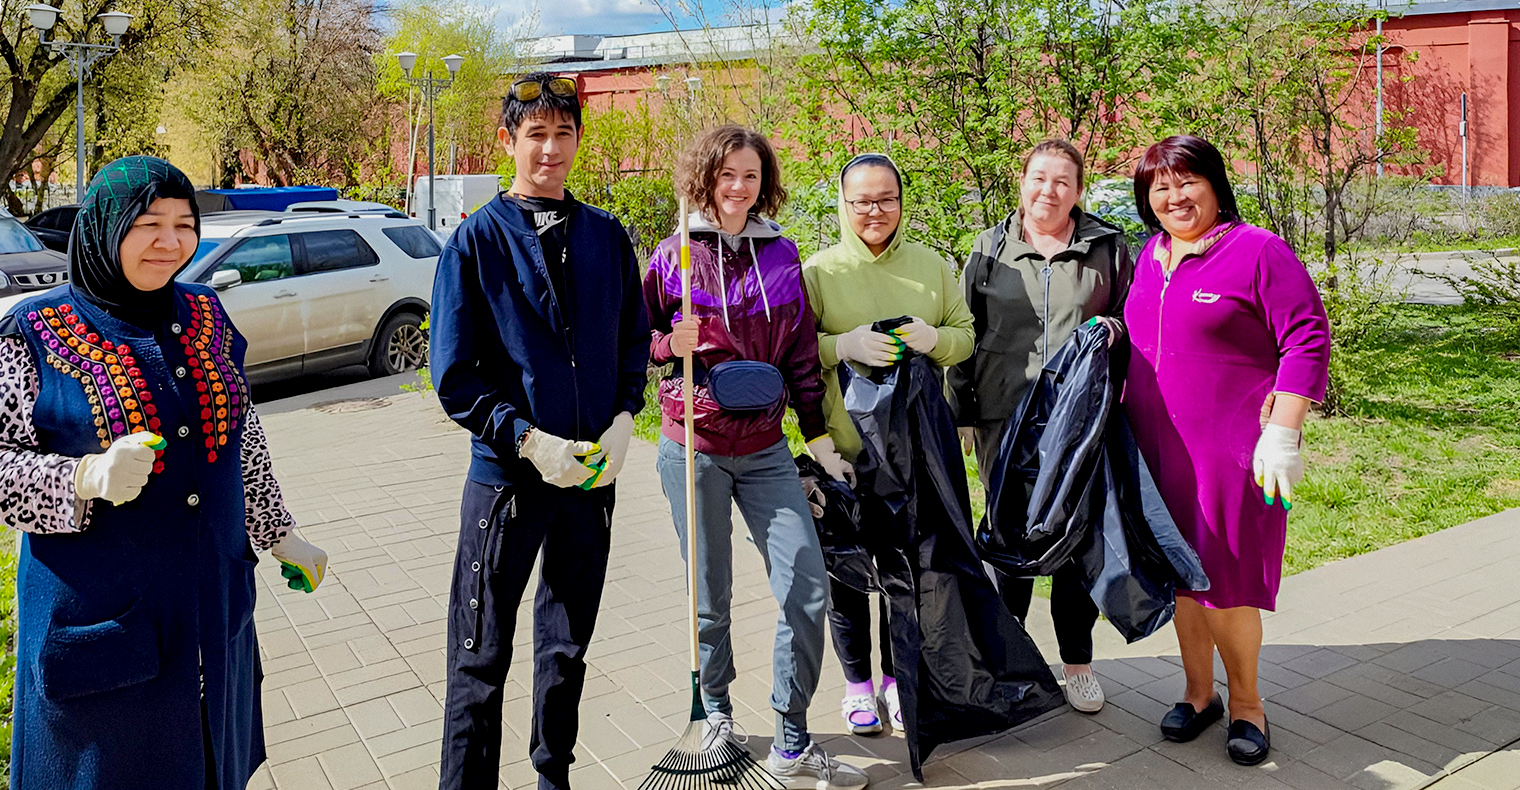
(309, 697)
(276, 707)
(1350, 755)
(1498, 724)
(592, 776)
(429, 667)
(1413, 657)
(403, 739)
(1357, 681)
(1450, 673)
(350, 767)
(333, 659)
(1446, 735)
(379, 687)
(415, 706)
(310, 745)
(1304, 726)
(1498, 771)
(1450, 708)
(1388, 774)
(303, 773)
(261, 779)
(365, 674)
(415, 779)
(1403, 742)
(373, 649)
(1062, 729)
(1141, 706)
(1284, 678)
(421, 757)
(300, 728)
(1311, 696)
(1121, 674)
(1121, 721)
(1302, 776)
(1354, 713)
(1318, 663)
(318, 639)
(374, 718)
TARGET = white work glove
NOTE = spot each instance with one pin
(872, 349)
(302, 564)
(118, 474)
(1277, 463)
(822, 450)
(561, 462)
(614, 444)
(968, 440)
(918, 335)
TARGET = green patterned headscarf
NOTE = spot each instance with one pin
(117, 196)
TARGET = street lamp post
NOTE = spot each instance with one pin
(81, 57)
(430, 86)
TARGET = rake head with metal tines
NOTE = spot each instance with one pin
(701, 761)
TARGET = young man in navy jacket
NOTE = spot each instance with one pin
(539, 347)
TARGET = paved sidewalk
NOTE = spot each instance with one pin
(1381, 672)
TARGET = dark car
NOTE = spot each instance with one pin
(53, 227)
(25, 263)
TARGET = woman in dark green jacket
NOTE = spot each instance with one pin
(1030, 282)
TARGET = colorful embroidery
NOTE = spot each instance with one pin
(113, 384)
(223, 393)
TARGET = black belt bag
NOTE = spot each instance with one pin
(746, 385)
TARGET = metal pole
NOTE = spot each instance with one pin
(1380, 94)
(432, 174)
(78, 63)
(1466, 186)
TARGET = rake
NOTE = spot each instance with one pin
(700, 760)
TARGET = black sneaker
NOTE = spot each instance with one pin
(1184, 722)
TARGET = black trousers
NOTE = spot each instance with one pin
(501, 534)
(850, 627)
(1071, 609)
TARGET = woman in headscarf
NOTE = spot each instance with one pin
(131, 458)
(874, 273)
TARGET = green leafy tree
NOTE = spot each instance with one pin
(292, 84)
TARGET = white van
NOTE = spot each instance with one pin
(457, 196)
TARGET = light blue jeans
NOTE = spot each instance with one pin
(769, 494)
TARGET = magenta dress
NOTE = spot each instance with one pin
(1232, 325)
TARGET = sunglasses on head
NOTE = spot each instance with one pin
(529, 89)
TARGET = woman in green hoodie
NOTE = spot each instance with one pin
(874, 273)
(1031, 281)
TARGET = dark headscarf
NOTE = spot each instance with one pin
(117, 196)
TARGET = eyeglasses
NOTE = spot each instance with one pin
(530, 89)
(888, 205)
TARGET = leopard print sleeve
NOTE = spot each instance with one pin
(268, 519)
(36, 488)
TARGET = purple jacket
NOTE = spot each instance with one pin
(754, 310)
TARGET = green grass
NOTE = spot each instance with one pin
(1433, 439)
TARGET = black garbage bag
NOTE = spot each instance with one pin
(964, 666)
(1069, 484)
(836, 517)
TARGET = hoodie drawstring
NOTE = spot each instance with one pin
(723, 281)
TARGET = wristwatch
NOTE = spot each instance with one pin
(522, 437)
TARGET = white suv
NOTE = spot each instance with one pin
(312, 292)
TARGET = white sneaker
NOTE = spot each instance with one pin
(860, 714)
(721, 726)
(889, 701)
(1083, 692)
(814, 769)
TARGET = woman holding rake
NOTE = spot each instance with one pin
(751, 343)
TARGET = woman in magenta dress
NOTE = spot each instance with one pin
(1231, 346)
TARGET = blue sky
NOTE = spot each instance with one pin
(611, 17)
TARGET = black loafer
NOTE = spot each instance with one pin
(1184, 722)
(1247, 745)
